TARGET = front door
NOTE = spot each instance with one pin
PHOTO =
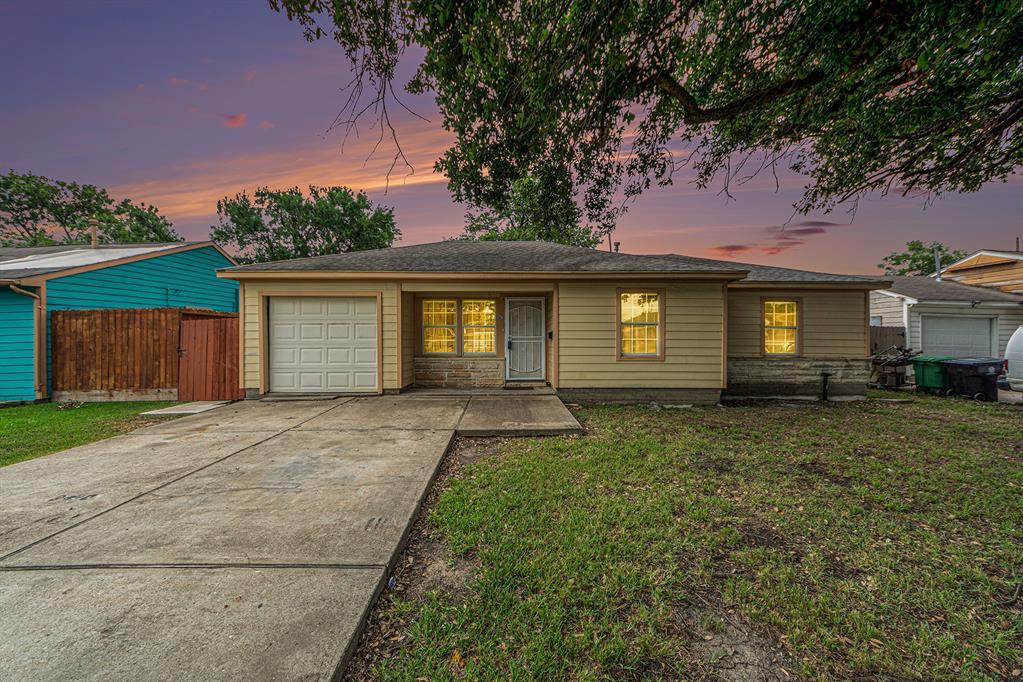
(525, 329)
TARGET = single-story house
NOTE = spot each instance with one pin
(948, 318)
(1002, 270)
(592, 324)
(34, 281)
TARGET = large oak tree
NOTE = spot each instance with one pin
(915, 96)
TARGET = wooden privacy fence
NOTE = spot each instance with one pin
(883, 338)
(144, 353)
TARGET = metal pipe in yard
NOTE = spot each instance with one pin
(824, 386)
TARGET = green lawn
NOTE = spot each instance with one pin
(873, 541)
(28, 431)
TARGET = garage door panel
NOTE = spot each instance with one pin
(365, 356)
(312, 356)
(282, 331)
(284, 357)
(339, 331)
(339, 356)
(365, 379)
(956, 336)
(323, 344)
(342, 307)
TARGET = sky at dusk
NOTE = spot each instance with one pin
(179, 104)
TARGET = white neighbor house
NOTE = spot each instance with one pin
(948, 318)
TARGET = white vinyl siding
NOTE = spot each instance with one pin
(889, 308)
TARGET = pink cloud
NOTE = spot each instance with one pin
(250, 75)
(728, 250)
(140, 87)
(782, 247)
(266, 125)
(235, 120)
(176, 81)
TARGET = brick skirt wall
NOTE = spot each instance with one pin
(458, 372)
(769, 377)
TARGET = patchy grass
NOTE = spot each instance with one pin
(868, 541)
(28, 431)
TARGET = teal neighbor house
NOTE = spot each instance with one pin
(36, 281)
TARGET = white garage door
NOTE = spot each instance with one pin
(323, 345)
(960, 337)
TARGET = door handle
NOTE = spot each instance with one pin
(509, 344)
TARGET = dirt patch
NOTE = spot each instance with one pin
(426, 566)
(821, 470)
(730, 647)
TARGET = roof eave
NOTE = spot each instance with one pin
(34, 280)
(819, 284)
(494, 275)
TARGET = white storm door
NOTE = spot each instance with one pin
(958, 336)
(323, 344)
(525, 329)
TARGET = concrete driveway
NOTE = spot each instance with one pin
(247, 542)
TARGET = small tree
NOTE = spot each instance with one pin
(539, 207)
(283, 224)
(918, 259)
(38, 211)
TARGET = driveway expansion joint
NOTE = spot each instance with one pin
(185, 565)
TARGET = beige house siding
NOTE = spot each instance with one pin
(1006, 321)
(693, 335)
(252, 317)
(889, 308)
(408, 338)
(833, 323)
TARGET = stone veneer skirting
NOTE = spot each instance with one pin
(437, 372)
(780, 377)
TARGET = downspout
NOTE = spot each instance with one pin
(38, 337)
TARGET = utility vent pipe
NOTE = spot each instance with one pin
(937, 264)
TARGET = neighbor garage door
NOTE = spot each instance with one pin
(324, 344)
(960, 337)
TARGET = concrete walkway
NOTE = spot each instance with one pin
(247, 542)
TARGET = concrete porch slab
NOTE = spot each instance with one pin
(303, 497)
(44, 495)
(247, 415)
(517, 416)
(182, 623)
(391, 412)
(195, 407)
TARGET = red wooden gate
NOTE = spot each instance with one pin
(208, 366)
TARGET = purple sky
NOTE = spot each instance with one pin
(179, 104)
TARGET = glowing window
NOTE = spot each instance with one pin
(640, 314)
(479, 327)
(440, 324)
(781, 327)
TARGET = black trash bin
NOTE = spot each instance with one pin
(975, 378)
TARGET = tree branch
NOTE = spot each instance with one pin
(694, 114)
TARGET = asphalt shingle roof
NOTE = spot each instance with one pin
(930, 289)
(523, 256)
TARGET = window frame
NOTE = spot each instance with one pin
(423, 326)
(798, 300)
(462, 326)
(458, 326)
(640, 357)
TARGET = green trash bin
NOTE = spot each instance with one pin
(930, 374)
